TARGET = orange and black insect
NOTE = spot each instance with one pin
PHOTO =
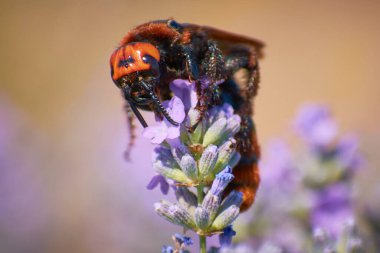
(223, 65)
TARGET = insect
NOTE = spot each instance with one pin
(223, 65)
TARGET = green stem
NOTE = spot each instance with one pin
(202, 238)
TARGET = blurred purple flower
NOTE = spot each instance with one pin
(278, 168)
(348, 154)
(159, 180)
(225, 239)
(167, 249)
(182, 240)
(185, 91)
(164, 129)
(332, 208)
(316, 126)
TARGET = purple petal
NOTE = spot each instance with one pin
(153, 182)
(185, 91)
(157, 134)
(173, 132)
(225, 239)
(158, 179)
(183, 240)
(164, 186)
(227, 109)
(176, 109)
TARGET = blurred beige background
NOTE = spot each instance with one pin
(64, 130)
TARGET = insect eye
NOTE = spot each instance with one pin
(148, 59)
(152, 62)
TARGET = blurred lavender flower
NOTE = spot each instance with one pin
(279, 171)
(316, 126)
(348, 154)
(308, 189)
(266, 247)
(332, 208)
(25, 207)
(182, 240)
(167, 249)
(347, 241)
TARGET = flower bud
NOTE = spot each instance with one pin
(186, 198)
(189, 166)
(233, 125)
(208, 160)
(179, 151)
(163, 154)
(215, 132)
(225, 218)
(172, 173)
(225, 153)
(235, 159)
(202, 218)
(175, 214)
(193, 118)
(211, 204)
(234, 198)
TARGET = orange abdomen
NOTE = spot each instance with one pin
(247, 174)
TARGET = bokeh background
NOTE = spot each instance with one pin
(64, 185)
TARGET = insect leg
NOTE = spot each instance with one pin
(191, 63)
(131, 130)
(214, 66)
(213, 73)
